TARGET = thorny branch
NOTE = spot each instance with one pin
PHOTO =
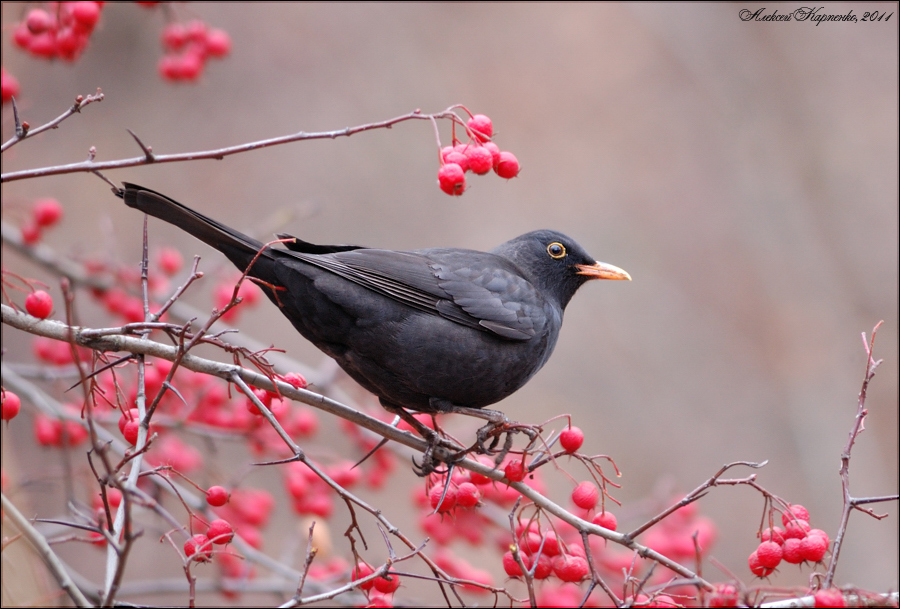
(149, 156)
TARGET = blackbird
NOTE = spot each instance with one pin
(432, 330)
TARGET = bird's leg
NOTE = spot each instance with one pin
(495, 417)
(497, 424)
(433, 439)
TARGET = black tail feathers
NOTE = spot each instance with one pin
(238, 247)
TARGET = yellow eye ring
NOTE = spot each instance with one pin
(556, 250)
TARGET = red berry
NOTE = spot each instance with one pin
(363, 570)
(821, 534)
(458, 157)
(199, 545)
(191, 65)
(478, 479)
(544, 568)
(130, 431)
(481, 127)
(169, 67)
(480, 159)
(495, 152)
(220, 532)
(249, 292)
(792, 552)
(452, 179)
(43, 45)
(254, 506)
(31, 233)
(131, 415)
(296, 380)
(216, 496)
(174, 36)
(39, 304)
(196, 30)
(511, 566)
(531, 541)
(725, 595)
(607, 520)
(114, 496)
(756, 568)
(775, 534)
(132, 310)
(551, 544)
(586, 495)
(813, 548)
(832, 597)
(169, 260)
(571, 439)
(222, 295)
(9, 86)
(514, 471)
(218, 43)
(467, 495)
(570, 568)
(507, 166)
(47, 431)
(387, 586)
(11, 406)
(769, 554)
(46, 212)
(22, 36)
(449, 498)
(305, 423)
(69, 43)
(796, 529)
(344, 473)
(86, 14)
(39, 21)
(797, 512)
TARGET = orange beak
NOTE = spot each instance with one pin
(601, 270)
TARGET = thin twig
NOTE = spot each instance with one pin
(23, 133)
(857, 428)
(89, 166)
(45, 552)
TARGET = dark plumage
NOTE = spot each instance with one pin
(424, 330)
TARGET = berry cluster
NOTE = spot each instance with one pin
(200, 546)
(9, 85)
(479, 156)
(794, 544)
(310, 495)
(61, 30)
(188, 46)
(449, 512)
(384, 585)
(53, 432)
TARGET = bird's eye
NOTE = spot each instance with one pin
(556, 250)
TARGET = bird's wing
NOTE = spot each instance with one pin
(449, 283)
(500, 299)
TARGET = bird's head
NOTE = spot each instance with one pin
(555, 263)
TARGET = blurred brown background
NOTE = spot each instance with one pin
(744, 173)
